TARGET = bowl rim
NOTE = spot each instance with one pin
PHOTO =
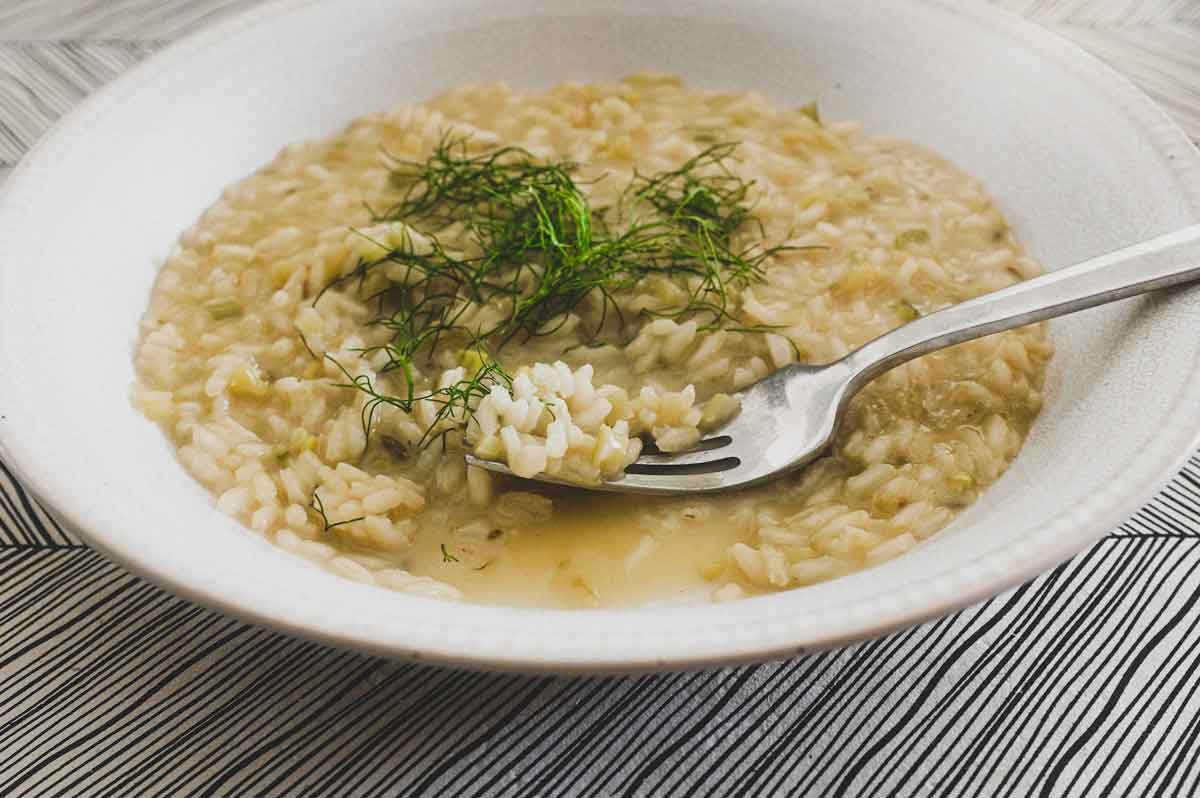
(992, 571)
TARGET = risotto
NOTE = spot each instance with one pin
(555, 280)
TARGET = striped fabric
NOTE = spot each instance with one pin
(1083, 682)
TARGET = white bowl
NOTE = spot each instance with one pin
(1079, 160)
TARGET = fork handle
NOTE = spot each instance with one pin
(1160, 262)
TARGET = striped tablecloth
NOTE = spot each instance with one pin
(1084, 682)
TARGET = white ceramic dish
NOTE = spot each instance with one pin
(1079, 160)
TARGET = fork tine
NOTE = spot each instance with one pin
(709, 466)
(666, 484)
(662, 484)
(697, 454)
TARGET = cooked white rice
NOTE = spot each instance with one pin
(231, 361)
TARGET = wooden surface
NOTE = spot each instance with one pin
(1083, 682)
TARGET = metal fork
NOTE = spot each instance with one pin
(788, 419)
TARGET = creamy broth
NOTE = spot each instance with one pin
(601, 554)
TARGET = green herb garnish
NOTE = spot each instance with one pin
(544, 250)
(317, 506)
(447, 556)
(541, 254)
(304, 343)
